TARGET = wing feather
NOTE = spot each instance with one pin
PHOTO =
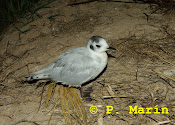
(75, 67)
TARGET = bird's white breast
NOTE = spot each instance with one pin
(104, 58)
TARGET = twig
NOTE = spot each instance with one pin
(25, 121)
(147, 16)
(41, 97)
(161, 58)
(6, 47)
(83, 2)
(11, 72)
(163, 122)
(109, 89)
(164, 74)
(135, 2)
(116, 97)
(5, 85)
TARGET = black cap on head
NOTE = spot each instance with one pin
(96, 38)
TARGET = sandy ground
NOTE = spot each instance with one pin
(145, 48)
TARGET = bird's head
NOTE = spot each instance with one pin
(98, 44)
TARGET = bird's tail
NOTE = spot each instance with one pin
(37, 77)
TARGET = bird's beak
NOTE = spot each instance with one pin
(112, 48)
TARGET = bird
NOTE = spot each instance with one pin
(78, 65)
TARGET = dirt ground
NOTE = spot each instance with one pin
(145, 43)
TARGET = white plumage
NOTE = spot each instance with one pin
(78, 65)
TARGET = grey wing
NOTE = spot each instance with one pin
(49, 68)
(74, 68)
(46, 70)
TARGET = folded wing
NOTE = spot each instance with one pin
(75, 67)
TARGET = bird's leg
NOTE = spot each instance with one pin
(81, 92)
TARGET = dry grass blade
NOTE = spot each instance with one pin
(164, 122)
(109, 88)
(161, 58)
(56, 92)
(100, 118)
(64, 104)
(72, 106)
(79, 104)
(56, 102)
(100, 121)
(51, 87)
(115, 96)
(163, 74)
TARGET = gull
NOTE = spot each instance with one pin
(78, 65)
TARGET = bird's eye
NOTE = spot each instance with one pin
(98, 46)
